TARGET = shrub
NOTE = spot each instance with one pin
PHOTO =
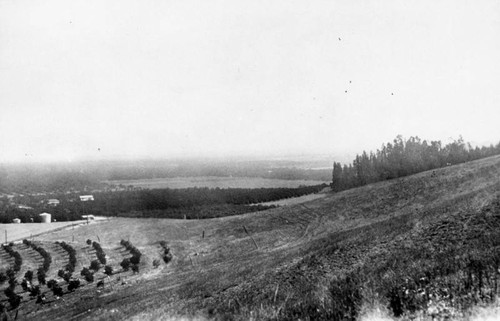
(136, 254)
(89, 242)
(156, 263)
(70, 267)
(167, 256)
(12, 283)
(135, 260)
(108, 270)
(89, 278)
(24, 285)
(95, 265)
(47, 259)
(3, 277)
(135, 268)
(9, 292)
(85, 271)
(67, 276)
(125, 264)
(18, 261)
(40, 298)
(35, 291)
(73, 285)
(101, 256)
(60, 273)
(28, 275)
(15, 301)
(41, 275)
(51, 283)
(11, 274)
(57, 290)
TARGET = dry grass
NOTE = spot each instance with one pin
(18, 232)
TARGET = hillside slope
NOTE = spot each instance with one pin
(397, 244)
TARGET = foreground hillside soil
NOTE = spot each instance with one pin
(425, 245)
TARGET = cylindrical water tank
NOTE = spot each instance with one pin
(46, 217)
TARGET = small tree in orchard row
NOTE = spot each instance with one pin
(95, 265)
(88, 275)
(135, 260)
(167, 255)
(13, 298)
(41, 275)
(108, 270)
(24, 284)
(35, 291)
(65, 275)
(57, 290)
(15, 301)
(29, 275)
(101, 256)
(84, 271)
(70, 267)
(51, 283)
(125, 264)
(73, 285)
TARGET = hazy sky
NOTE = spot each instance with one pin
(163, 78)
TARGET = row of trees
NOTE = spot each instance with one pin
(405, 157)
(112, 203)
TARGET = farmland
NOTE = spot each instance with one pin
(214, 182)
(402, 245)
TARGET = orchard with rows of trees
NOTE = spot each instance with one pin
(405, 157)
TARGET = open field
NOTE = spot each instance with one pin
(295, 200)
(17, 232)
(402, 246)
(213, 182)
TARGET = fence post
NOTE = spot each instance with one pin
(255, 243)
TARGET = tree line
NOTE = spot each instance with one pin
(187, 200)
(405, 157)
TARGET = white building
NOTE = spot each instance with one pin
(46, 217)
(86, 198)
(53, 202)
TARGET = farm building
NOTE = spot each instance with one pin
(89, 217)
(53, 202)
(16, 221)
(24, 207)
(46, 217)
(85, 198)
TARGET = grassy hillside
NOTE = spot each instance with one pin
(417, 246)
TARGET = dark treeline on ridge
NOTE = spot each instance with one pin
(405, 157)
